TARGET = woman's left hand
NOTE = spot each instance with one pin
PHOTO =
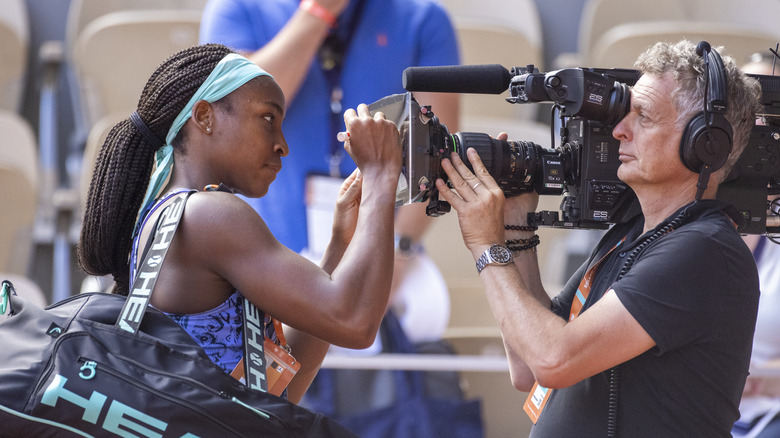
(345, 215)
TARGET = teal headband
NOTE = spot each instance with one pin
(230, 73)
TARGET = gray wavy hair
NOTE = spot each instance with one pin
(687, 68)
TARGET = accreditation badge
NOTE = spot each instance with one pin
(536, 401)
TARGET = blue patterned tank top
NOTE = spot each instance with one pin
(220, 331)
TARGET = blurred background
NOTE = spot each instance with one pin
(70, 69)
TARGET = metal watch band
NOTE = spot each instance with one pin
(495, 255)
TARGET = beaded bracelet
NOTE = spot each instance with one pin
(520, 227)
(534, 238)
(318, 11)
(529, 245)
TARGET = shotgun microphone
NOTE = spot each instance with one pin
(478, 79)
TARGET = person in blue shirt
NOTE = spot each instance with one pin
(329, 55)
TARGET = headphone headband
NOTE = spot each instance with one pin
(717, 89)
(707, 139)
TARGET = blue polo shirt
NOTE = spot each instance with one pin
(390, 36)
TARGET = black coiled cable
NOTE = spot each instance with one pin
(614, 372)
(613, 402)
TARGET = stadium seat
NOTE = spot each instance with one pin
(114, 45)
(599, 16)
(613, 32)
(14, 42)
(115, 54)
(489, 32)
(620, 46)
(83, 12)
(26, 288)
(18, 192)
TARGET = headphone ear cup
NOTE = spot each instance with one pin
(698, 147)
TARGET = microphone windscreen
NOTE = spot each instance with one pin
(479, 79)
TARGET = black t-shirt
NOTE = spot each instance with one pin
(695, 292)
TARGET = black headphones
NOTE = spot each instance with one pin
(707, 139)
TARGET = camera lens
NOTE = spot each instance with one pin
(517, 166)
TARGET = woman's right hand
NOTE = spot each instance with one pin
(374, 142)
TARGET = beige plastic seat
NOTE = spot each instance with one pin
(116, 53)
(18, 192)
(490, 32)
(137, 53)
(599, 16)
(83, 12)
(757, 15)
(620, 46)
(613, 31)
(14, 42)
(113, 46)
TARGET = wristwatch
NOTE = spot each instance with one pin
(495, 255)
(404, 246)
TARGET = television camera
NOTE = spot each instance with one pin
(582, 168)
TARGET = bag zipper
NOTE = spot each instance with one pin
(119, 375)
(197, 383)
(47, 369)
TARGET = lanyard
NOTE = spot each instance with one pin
(583, 290)
(331, 59)
(539, 395)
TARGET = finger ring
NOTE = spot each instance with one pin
(475, 186)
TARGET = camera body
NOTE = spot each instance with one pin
(583, 167)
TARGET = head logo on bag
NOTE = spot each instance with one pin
(119, 417)
(54, 330)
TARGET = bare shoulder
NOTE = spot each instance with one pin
(217, 210)
(222, 224)
(217, 231)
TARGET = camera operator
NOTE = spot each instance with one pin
(652, 335)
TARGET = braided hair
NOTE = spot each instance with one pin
(124, 164)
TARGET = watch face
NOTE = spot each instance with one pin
(405, 244)
(500, 254)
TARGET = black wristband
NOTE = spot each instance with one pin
(521, 227)
(534, 238)
(533, 242)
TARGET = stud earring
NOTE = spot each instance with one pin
(208, 129)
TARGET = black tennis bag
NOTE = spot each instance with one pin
(70, 371)
(79, 369)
